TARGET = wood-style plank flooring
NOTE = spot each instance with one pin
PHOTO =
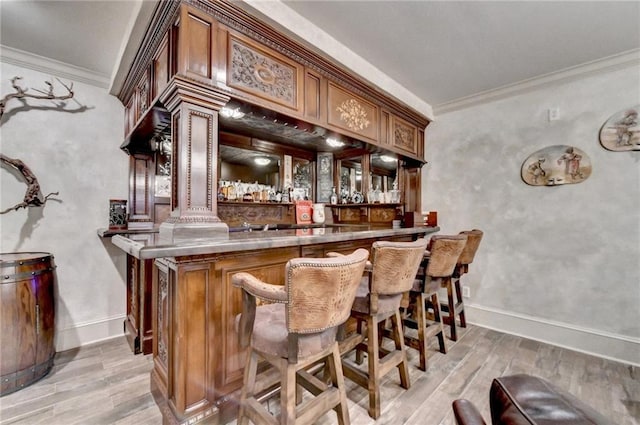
(105, 383)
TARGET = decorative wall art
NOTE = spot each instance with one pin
(556, 165)
(33, 197)
(621, 132)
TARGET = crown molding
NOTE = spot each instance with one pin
(50, 66)
(623, 60)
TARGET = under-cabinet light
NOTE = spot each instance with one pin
(387, 158)
(261, 161)
(335, 143)
(231, 113)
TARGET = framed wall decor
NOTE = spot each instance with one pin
(556, 165)
(621, 132)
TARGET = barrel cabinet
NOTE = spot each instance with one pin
(27, 318)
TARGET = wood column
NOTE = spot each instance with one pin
(194, 132)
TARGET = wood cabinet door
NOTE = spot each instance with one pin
(257, 70)
(196, 41)
(315, 96)
(351, 113)
(268, 266)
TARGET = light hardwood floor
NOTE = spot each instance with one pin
(106, 384)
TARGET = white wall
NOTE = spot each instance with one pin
(557, 264)
(76, 154)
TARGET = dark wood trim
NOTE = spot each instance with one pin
(234, 17)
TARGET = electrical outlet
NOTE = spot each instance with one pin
(466, 292)
(554, 113)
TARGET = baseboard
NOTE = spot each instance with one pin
(52, 67)
(602, 344)
(89, 332)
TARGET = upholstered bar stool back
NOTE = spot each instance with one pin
(424, 315)
(455, 303)
(298, 329)
(391, 273)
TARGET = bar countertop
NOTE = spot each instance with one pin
(247, 240)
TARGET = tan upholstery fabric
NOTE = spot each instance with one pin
(321, 291)
(393, 272)
(270, 334)
(319, 295)
(395, 265)
(386, 303)
(444, 254)
(473, 242)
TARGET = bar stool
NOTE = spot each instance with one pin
(298, 329)
(438, 265)
(391, 273)
(455, 302)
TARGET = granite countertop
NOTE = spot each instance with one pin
(261, 239)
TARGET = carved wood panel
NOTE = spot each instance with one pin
(351, 214)
(382, 214)
(262, 72)
(352, 113)
(161, 321)
(404, 136)
(129, 115)
(143, 94)
(255, 213)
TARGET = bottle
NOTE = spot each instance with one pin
(334, 196)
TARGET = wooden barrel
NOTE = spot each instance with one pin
(27, 318)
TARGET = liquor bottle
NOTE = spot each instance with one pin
(334, 196)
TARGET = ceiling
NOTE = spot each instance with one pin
(441, 51)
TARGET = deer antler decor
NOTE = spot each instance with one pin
(45, 95)
(33, 197)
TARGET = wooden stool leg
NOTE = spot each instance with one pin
(358, 350)
(335, 368)
(288, 394)
(463, 321)
(422, 327)
(374, 368)
(248, 385)
(435, 302)
(398, 339)
(452, 310)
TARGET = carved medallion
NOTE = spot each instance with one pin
(257, 72)
(353, 115)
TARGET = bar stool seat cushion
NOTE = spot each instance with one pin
(386, 303)
(270, 334)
